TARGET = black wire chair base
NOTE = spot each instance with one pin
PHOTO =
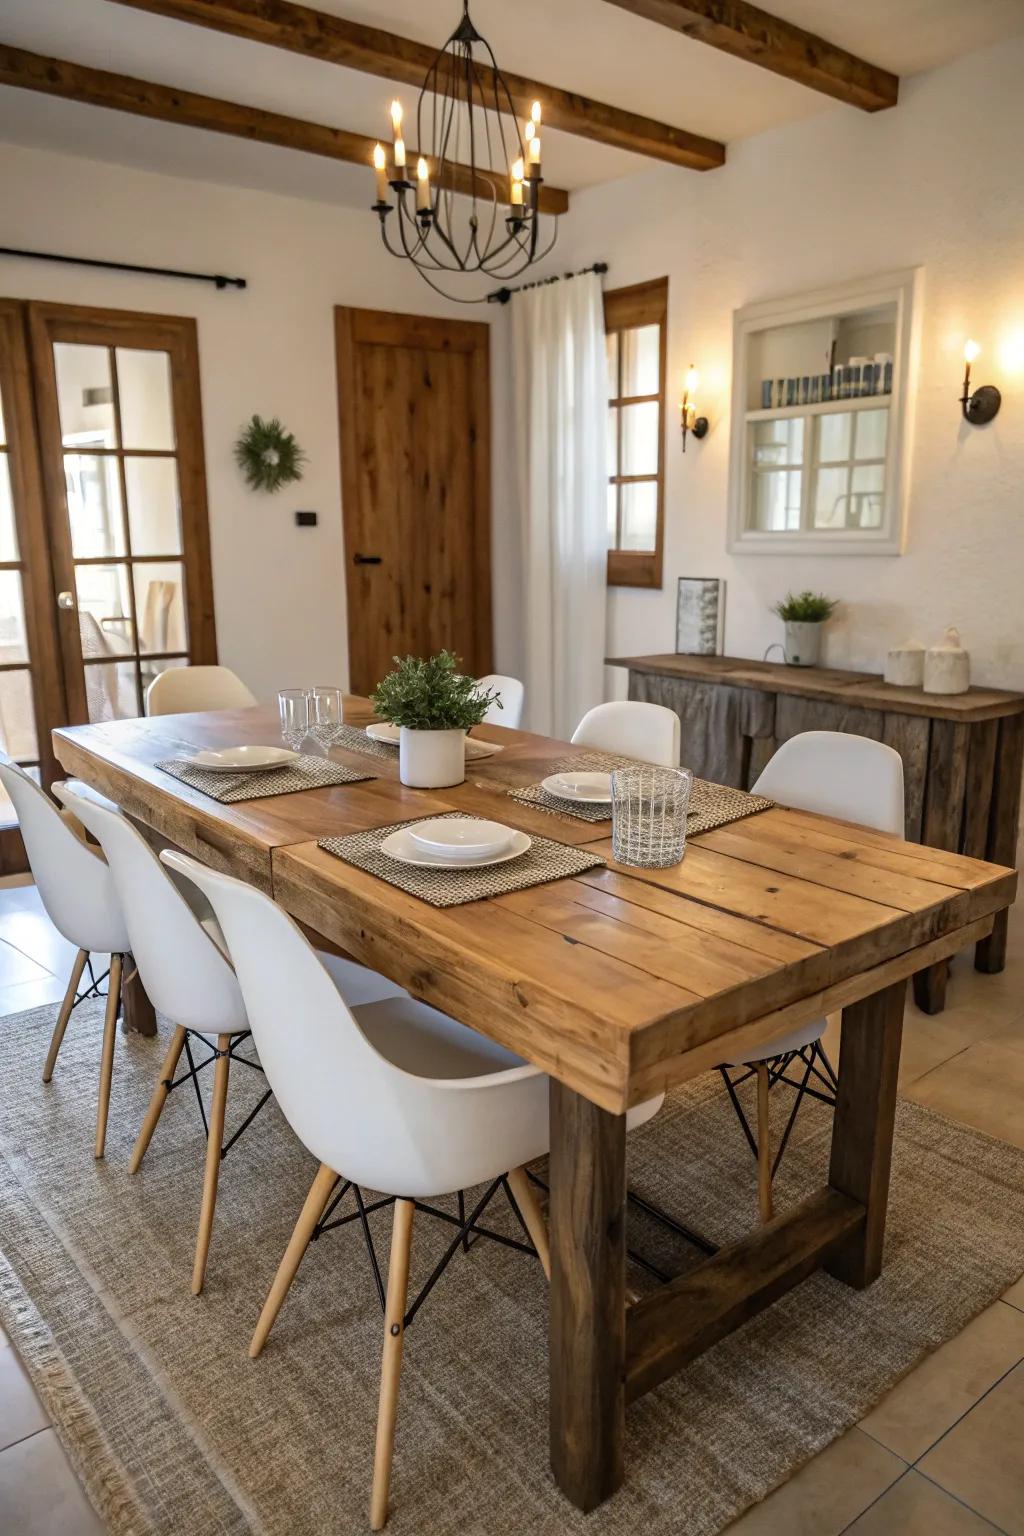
(192, 1076)
(815, 1063)
(93, 989)
(466, 1226)
(663, 1219)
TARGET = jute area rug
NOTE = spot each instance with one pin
(174, 1430)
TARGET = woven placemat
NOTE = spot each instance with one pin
(545, 860)
(354, 737)
(308, 773)
(711, 805)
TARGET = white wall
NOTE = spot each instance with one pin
(937, 183)
(279, 589)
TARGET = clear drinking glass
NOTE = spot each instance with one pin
(293, 704)
(649, 807)
(324, 710)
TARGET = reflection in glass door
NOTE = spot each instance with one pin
(122, 459)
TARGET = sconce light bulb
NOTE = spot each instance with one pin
(692, 380)
(971, 350)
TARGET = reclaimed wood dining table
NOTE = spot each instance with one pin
(620, 983)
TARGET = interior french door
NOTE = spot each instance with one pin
(120, 441)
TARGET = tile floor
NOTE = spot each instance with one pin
(942, 1455)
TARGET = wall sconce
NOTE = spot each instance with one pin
(688, 418)
(984, 403)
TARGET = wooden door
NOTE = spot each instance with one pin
(31, 691)
(121, 446)
(414, 402)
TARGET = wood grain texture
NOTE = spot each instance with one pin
(168, 104)
(862, 1129)
(909, 735)
(588, 1282)
(1003, 829)
(941, 826)
(618, 982)
(415, 464)
(335, 39)
(679, 1321)
(861, 690)
(747, 32)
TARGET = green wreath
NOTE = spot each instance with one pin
(267, 455)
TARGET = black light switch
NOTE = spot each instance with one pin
(305, 519)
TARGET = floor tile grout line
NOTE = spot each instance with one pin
(959, 1420)
(962, 1502)
(30, 1436)
(907, 1469)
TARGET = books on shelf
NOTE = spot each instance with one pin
(851, 380)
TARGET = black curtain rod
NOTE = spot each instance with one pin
(217, 278)
(502, 295)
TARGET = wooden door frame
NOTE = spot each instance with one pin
(177, 335)
(45, 663)
(379, 327)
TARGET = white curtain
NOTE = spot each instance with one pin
(560, 401)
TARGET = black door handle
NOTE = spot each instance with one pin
(366, 559)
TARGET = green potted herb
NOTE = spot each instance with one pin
(803, 615)
(434, 705)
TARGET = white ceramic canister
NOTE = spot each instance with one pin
(904, 665)
(947, 666)
(431, 759)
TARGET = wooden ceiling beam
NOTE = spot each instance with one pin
(123, 93)
(332, 39)
(749, 33)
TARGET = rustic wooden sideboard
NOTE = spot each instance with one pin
(963, 754)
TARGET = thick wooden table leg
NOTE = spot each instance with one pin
(137, 1012)
(869, 1060)
(990, 953)
(943, 817)
(588, 1297)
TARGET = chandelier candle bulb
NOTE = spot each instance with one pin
(535, 150)
(380, 166)
(517, 184)
(535, 113)
(422, 186)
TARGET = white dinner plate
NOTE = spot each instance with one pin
(385, 731)
(400, 846)
(588, 788)
(466, 836)
(244, 759)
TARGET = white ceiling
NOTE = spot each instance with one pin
(581, 45)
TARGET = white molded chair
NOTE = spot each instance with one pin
(393, 1095)
(854, 779)
(648, 732)
(511, 692)
(78, 894)
(181, 690)
(180, 953)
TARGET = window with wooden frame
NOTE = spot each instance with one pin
(635, 322)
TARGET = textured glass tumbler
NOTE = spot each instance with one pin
(649, 807)
(293, 704)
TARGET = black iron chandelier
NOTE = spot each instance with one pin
(475, 203)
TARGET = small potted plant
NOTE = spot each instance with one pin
(803, 615)
(434, 705)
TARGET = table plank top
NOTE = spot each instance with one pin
(619, 981)
(861, 690)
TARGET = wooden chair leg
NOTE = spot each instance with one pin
(107, 1057)
(764, 1144)
(159, 1099)
(533, 1217)
(391, 1363)
(214, 1143)
(65, 1013)
(312, 1210)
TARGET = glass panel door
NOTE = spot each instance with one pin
(122, 455)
